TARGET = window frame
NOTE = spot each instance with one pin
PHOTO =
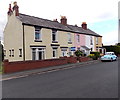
(4, 53)
(54, 51)
(54, 32)
(38, 31)
(69, 38)
(20, 52)
(97, 40)
(78, 38)
(91, 40)
(12, 54)
(9, 53)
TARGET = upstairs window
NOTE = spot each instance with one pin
(69, 38)
(78, 38)
(96, 40)
(38, 34)
(91, 41)
(54, 35)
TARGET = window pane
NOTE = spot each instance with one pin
(37, 33)
(34, 54)
(37, 36)
(69, 37)
(20, 52)
(53, 37)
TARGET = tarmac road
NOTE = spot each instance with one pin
(97, 80)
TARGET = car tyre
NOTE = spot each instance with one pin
(111, 60)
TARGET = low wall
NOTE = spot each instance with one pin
(10, 67)
(84, 59)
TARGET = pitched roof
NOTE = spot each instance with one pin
(35, 21)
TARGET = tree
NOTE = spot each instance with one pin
(1, 52)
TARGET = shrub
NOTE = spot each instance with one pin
(94, 55)
(78, 53)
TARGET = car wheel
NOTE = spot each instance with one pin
(111, 60)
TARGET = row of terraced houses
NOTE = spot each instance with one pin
(32, 38)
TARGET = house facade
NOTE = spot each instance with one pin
(32, 38)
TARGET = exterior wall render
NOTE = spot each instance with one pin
(13, 36)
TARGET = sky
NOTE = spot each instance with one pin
(101, 16)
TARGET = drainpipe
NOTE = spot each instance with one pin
(23, 43)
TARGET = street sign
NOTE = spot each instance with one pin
(73, 48)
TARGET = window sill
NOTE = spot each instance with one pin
(37, 40)
(54, 41)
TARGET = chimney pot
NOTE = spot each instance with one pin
(10, 10)
(16, 8)
(84, 25)
(63, 20)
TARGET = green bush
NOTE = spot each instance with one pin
(94, 55)
(78, 53)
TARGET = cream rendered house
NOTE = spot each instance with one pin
(32, 38)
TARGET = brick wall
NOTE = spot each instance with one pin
(10, 67)
(84, 59)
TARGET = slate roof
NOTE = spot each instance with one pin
(35, 21)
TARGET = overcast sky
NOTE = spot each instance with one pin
(100, 15)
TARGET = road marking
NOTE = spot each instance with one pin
(48, 71)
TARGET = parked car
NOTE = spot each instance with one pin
(109, 56)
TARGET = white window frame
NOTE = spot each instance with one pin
(4, 53)
(78, 38)
(69, 37)
(96, 40)
(20, 52)
(10, 53)
(40, 34)
(56, 52)
(56, 35)
(91, 40)
(37, 51)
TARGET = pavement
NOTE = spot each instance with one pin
(44, 70)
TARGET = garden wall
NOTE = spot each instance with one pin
(10, 67)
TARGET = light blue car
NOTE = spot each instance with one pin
(109, 56)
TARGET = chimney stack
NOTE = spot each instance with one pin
(16, 8)
(63, 20)
(10, 10)
(84, 25)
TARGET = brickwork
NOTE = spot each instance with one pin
(10, 67)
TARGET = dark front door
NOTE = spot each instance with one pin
(39, 55)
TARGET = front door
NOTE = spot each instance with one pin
(39, 55)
